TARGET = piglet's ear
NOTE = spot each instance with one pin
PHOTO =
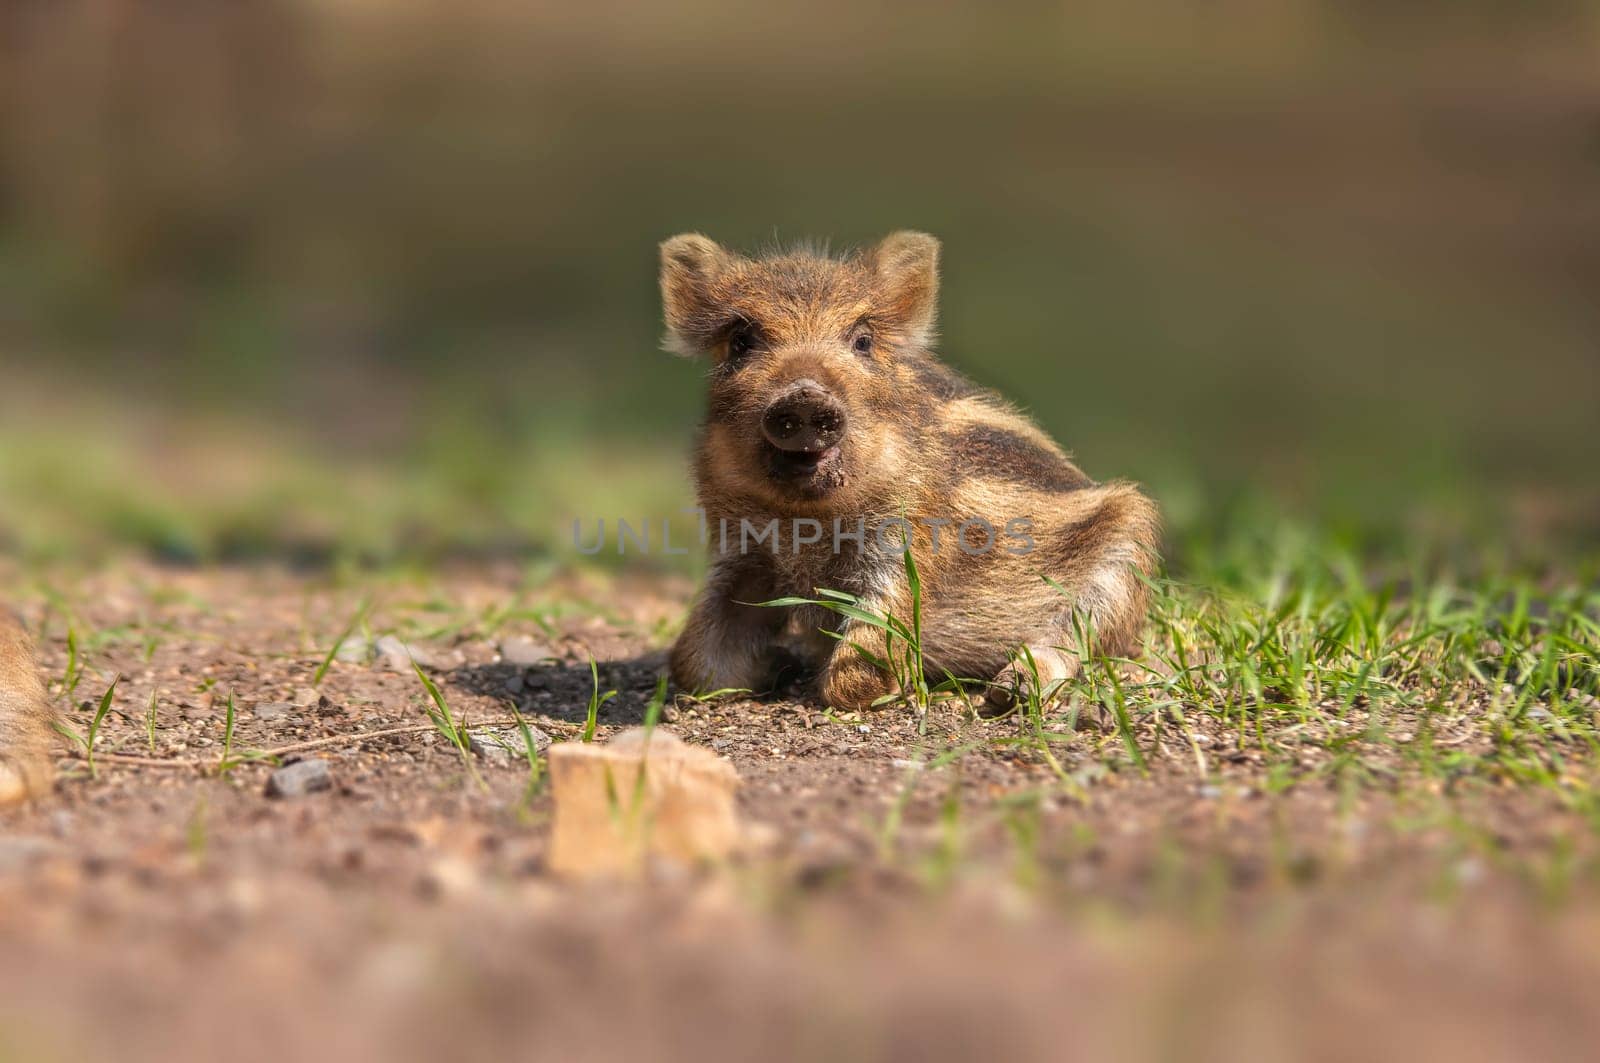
(907, 265)
(690, 267)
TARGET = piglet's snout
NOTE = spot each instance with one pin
(804, 419)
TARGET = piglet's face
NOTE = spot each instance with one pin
(808, 404)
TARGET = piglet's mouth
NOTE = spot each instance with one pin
(805, 468)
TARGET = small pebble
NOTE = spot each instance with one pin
(499, 747)
(522, 652)
(399, 655)
(354, 650)
(300, 778)
(272, 710)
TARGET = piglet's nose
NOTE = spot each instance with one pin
(805, 419)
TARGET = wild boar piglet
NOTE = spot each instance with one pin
(833, 437)
(25, 768)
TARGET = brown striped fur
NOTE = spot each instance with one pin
(25, 769)
(921, 442)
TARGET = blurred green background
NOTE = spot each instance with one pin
(348, 279)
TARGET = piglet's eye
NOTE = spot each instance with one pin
(741, 341)
(862, 344)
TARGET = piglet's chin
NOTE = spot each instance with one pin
(807, 474)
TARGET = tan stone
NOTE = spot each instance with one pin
(644, 795)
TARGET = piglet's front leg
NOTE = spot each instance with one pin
(850, 678)
(727, 644)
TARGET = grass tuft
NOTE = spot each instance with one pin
(87, 741)
(445, 723)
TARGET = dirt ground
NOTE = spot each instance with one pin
(991, 907)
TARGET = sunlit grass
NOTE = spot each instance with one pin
(1300, 644)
